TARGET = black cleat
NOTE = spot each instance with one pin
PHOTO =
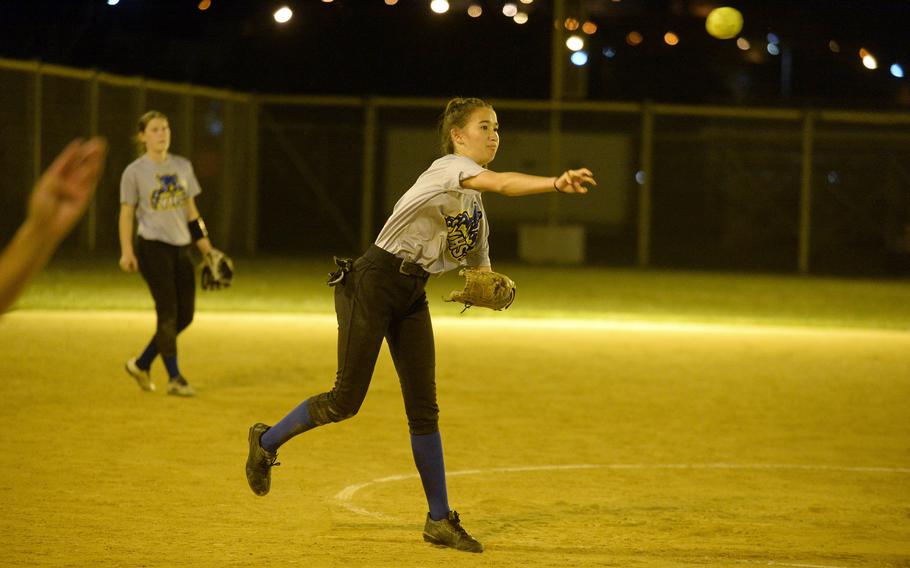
(449, 532)
(259, 462)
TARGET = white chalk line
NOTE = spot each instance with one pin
(346, 495)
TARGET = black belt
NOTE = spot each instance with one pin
(385, 258)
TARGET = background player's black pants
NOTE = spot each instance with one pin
(377, 301)
(168, 270)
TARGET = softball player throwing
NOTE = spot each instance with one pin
(439, 224)
(159, 190)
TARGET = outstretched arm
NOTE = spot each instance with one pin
(58, 200)
(515, 184)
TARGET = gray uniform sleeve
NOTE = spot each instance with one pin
(129, 189)
(480, 256)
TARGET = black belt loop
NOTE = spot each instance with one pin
(412, 269)
(405, 267)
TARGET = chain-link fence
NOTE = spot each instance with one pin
(782, 190)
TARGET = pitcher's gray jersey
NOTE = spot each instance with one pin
(159, 193)
(437, 223)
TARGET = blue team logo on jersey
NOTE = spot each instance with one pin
(170, 193)
(463, 230)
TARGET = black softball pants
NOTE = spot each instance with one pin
(377, 300)
(168, 271)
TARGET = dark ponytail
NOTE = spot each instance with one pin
(456, 115)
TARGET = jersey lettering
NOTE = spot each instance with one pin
(170, 194)
(463, 230)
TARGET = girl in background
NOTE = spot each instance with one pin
(158, 190)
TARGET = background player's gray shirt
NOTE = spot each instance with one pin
(159, 193)
(437, 223)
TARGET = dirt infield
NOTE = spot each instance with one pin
(567, 444)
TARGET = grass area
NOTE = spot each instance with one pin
(298, 286)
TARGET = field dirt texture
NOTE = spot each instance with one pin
(567, 444)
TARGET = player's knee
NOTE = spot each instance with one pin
(167, 326)
(325, 408)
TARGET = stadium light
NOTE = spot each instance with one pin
(575, 43)
(283, 15)
(579, 58)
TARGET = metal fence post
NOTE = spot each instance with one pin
(38, 102)
(805, 197)
(557, 91)
(369, 173)
(228, 187)
(252, 203)
(644, 190)
(92, 216)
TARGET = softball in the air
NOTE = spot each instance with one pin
(724, 23)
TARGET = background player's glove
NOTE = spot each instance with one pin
(485, 289)
(217, 270)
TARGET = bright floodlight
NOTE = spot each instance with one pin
(897, 70)
(579, 58)
(869, 62)
(509, 9)
(283, 15)
(113, 2)
(439, 6)
(520, 18)
(575, 43)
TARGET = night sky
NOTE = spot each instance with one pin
(363, 47)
